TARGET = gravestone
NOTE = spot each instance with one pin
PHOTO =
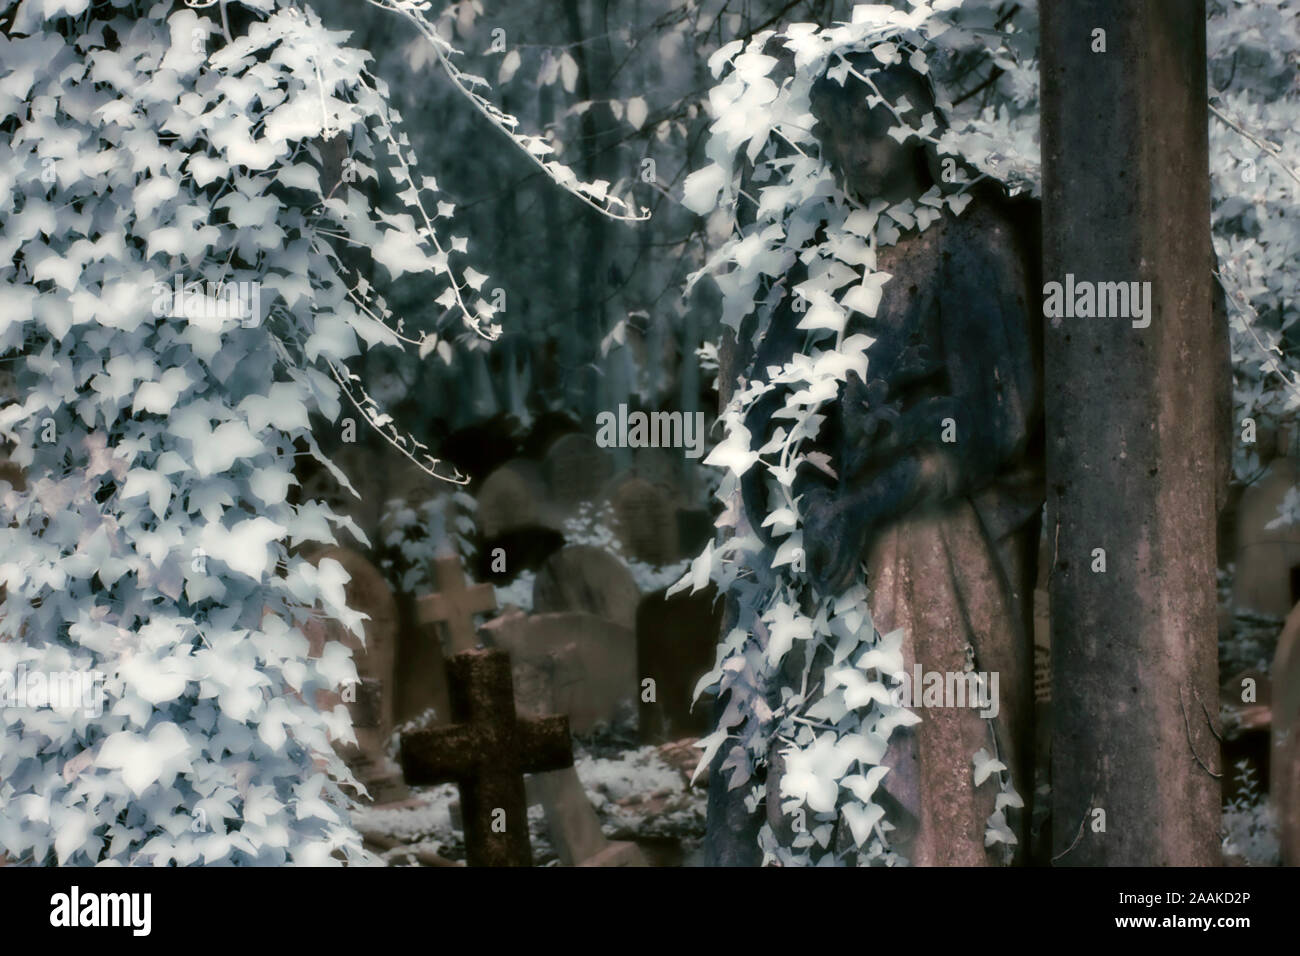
(569, 814)
(1284, 775)
(370, 702)
(663, 468)
(444, 624)
(676, 645)
(585, 578)
(568, 663)
(452, 608)
(1268, 561)
(513, 497)
(645, 520)
(575, 828)
(485, 752)
(421, 674)
(576, 470)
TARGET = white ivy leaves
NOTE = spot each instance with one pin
(597, 194)
(153, 545)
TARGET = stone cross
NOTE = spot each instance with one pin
(485, 752)
(455, 605)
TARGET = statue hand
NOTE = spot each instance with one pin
(834, 534)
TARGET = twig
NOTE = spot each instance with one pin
(992, 78)
(1078, 836)
(1269, 149)
(1208, 719)
(1192, 747)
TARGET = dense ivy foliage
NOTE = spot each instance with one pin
(176, 307)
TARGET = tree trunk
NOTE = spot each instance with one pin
(1131, 436)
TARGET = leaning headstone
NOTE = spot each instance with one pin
(676, 645)
(1284, 772)
(575, 828)
(1268, 560)
(585, 578)
(370, 701)
(512, 497)
(421, 673)
(485, 752)
(568, 663)
(576, 470)
(645, 521)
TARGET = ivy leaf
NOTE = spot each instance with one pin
(733, 452)
(862, 819)
(985, 765)
(144, 761)
(509, 66)
(996, 830)
(700, 191)
(637, 111)
(785, 626)
(568, 72)
(864, 785)
(243, 547)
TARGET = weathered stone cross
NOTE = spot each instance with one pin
(485, 751)
(455, 605)
(575, 828)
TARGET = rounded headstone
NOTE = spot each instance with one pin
(645, 521)
(512, 497)
(585, 578)
(663, 468)
(576, 469)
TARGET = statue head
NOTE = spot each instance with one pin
(855, 139)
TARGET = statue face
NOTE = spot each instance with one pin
(870, 163)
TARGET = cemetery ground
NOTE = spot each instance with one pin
(560, 567)
(585, 548)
